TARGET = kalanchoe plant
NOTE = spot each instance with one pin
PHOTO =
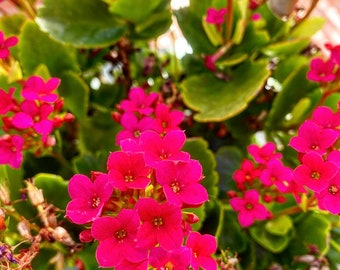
(118, 153)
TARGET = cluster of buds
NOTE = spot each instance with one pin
(138, 210)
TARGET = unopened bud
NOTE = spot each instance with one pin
(85, 236)
(35, 195)
(24, 229)
(4, 195)
(191, 218)
(62, 236)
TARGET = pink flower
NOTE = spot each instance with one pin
(335, 53)
(265, 153)
(321, 71)
(166, 119)
(209, 62)
(202, 248)
(178, 259)
(161, 223)
(139, 101)
(159, 148)
(249, 208)
(329, 198)
(216, 16)
(313, 138)
(127, 265)
(5, 44)
(132, 127)
(128, 170)
(87, 197)
(36, 89)
(325, 118)
(11, 147)
(246, 174)
(276, 174)
(180, 182)
(6, 100)
(116, 236)
(314, 172)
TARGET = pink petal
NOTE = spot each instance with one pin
(104, 228)
(80, 186)
(108, 254)
(22, 120)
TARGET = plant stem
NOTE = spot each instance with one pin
(229, 19)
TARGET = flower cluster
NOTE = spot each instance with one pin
(29, 118)
(316, 143)
(326, 70)
(266, 178)
(138, 209)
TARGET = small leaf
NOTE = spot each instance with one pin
(54, 189)
(279, 226)
(218, 100)
(286, 47)
(42, 50)
(86, 25)
(212, 33)
(308, 27)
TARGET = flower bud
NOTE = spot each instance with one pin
(85, 236)
(62, 236)
(4, 195)
(24, 229)
(35, 195)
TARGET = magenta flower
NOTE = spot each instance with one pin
(325, 118)
(166, 119)
(314, 172)
(6, 100)
(180, 182)
(335, 53)
(216, 16)
(116, 236)
(329, 198)
(11, 147)
(178, 259)
(127, 265)
(249, 208)
(5, 44)
(158, 148)
(87, 197)
(161, 223)
(139, 101)
(246, 174)
(265, 153)
(132, 127)
(128, 170)
(202, 248)
(313, 138)
(276, 174)
(321, 71)
(36, 89)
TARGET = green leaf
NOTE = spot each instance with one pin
(218, 100)
(54, 189)
(232, 60)
(273, 243)
(286, 47)
(135, 11)
(11, 25)
(312, 231)
(229, 233)
(295, 87)
(308, 27)
(212, 33)
(280, 226)
(198, 149)
(85, 25)
(42, 50)
(191, 26)
(87, 163)
(76, 94)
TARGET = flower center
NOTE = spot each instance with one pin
(95, 201)
(175, 187)
(158, 221)
(249, 206)
(120, 235)
(315, 147)
(136, 134)
(333, 189)
(128, 178)
(315, 175)
(169, 266)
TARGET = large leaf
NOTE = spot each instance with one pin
(308, 27)
(286, 47)
(87, 24)
(37, 48)
(135, 11)
(218, 100)
(76, 94)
